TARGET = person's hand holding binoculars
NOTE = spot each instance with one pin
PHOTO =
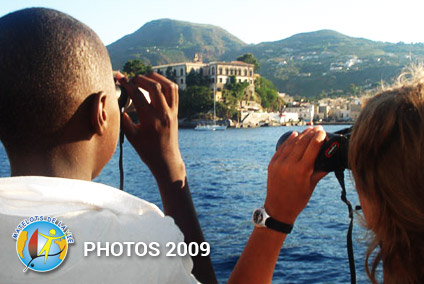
(155, 137)
(291, 175)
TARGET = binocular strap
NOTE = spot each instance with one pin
(121, 162)
(340, 178)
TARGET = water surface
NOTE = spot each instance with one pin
(227, 173)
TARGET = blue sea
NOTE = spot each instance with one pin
(227, 173)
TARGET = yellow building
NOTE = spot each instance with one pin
(218, 72)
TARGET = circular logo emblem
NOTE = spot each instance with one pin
(41, 246)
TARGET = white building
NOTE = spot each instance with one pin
(322, 111)
(305, 112)
(341, 114)
(355, 107)
(181, 70)
(286, 98)
(219, 73)
(287, 117)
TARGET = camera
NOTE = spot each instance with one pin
(332, 156)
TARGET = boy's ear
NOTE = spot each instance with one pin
(98, 114)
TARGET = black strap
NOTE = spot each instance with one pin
(340, 178)
(121, 162)
(278, 226)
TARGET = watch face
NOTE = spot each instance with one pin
(258, 216)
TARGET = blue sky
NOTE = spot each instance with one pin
(252, 21)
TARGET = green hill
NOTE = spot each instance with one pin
(165, 41)
(305, 64)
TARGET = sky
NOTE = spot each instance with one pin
(252, 21)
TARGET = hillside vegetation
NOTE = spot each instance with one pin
(307, 64)
(167, 41)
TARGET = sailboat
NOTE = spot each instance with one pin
(214, 126)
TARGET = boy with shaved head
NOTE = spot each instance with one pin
(59, 123)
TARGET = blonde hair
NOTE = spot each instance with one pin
(386, 155)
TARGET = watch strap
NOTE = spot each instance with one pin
(278, 226)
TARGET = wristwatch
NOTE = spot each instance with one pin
(261, 219)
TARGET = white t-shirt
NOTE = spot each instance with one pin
(93, 212)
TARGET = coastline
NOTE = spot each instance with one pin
(191, 124)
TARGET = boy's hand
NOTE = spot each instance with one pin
(155, 138)
(291, 176)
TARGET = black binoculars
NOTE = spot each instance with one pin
(332, 156)
(124, 100)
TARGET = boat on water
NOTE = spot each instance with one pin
(211, 127)
(214, 126)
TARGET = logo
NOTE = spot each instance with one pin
(42, 243)
(332, 149)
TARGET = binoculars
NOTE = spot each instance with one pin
(332, 156)
(124, 100)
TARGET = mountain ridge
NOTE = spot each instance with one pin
(305, 64)
(165, 41)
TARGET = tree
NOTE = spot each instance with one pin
(322, 95)
(195, 99)
(235, 90)
(223, 111)
(171, 74)
(355, 90)
(135, 67)
(234, 93)
(195, 78)
(249, 58)
(267, 92)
